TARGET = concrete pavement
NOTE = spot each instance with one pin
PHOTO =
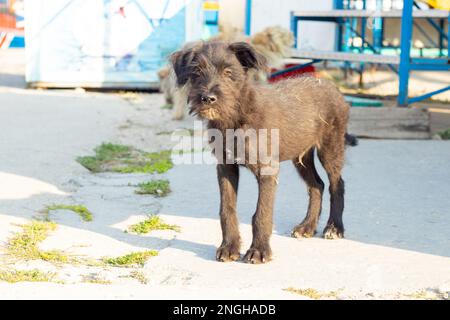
(397, 212)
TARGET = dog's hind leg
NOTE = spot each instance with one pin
(331, 155)
(228, 176)
(307, 171)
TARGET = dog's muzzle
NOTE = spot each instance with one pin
(206, 107)
(209, 113)
(208, 99)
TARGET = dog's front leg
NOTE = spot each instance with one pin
(262, 221)
(228, 175)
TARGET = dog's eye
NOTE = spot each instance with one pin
(227, 73)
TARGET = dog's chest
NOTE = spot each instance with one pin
(245, 147)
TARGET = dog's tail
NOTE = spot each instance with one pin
(351, 140)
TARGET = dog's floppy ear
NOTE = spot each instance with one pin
(182, 65)
(248, 57)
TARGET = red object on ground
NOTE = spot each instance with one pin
(7, 21)
(306, 71)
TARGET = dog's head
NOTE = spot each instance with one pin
(216, 72)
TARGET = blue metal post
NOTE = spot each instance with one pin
(377, 31)
(248, 17)
(339, 5)
(448, 37)
(441, 38)
(428, 95)
(354, 27)
(405, 47)
(363, 44)
(347, 34)
(294, 27)
(363, 28)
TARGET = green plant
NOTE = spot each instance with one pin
(131, 259)
(312, 293)
(445, 135)
(159, 188)
(125, 159)
(152, 223)
(25, 245)
(139, 276)
(80, 210)
(14, 276)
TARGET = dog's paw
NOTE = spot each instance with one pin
(258, 255)
(331, 232)
(304, 231)
(228, 253)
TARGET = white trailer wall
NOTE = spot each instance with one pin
(312, 35)
(105, 43)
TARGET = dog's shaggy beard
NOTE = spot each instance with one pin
(222, 114)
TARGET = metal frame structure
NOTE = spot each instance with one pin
(403, 64)
(248, 17)
(378, 28)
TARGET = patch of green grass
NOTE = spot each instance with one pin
(131, 259)
(80, 210)
(160, 162)
(312, 293)
(25, 245)
(14, 276)
(89, 262)
(95, 279)
(107, 151)
(445, 135)
(164, 133)
(425, 295)
(90, 163)
(159, 188)
(167, 106)
(54, 256)
(125, 159)
(152, 223)
(104, 153)
(187, 132)
(139, 276)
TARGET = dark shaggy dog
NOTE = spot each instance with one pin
(309, 113)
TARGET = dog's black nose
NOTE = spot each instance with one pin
(209, 99)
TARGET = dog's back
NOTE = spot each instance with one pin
(304, 109)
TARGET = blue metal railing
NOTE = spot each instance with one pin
(347, 29)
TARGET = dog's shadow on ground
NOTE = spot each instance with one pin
(391, 200)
